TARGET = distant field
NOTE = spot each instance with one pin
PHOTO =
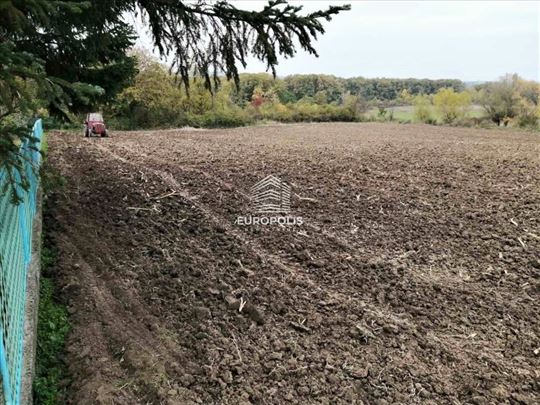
(406, 113)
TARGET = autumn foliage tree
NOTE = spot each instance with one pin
(451, 105)
(511, 97)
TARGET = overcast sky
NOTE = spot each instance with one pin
(468, 40)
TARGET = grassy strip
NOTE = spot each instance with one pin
(53, 323)
(406, 114)
(53, 327)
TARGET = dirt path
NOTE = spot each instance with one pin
(414, 279)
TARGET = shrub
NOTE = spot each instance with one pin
(528, 114)
(276, 112)
(451, 105)
(220, 118)
(422, 109)
(500, 99)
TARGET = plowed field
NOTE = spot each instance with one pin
(414, 278)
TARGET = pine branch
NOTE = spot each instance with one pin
(209, 39)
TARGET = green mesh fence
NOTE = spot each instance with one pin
(15, 255)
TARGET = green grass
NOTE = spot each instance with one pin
(406, 113)
(53, 327)
(44, 143)
(53, 323)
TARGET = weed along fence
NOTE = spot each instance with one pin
(16, 223)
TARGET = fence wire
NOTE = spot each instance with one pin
(15, 255)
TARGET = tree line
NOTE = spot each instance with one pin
(154, 99)
(332, 89)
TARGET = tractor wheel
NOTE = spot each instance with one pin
(105, 134)
(86, 133)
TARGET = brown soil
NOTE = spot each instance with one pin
(414, 279)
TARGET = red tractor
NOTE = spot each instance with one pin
(94, 125)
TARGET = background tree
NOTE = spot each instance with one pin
(405, 97)
(500, 99)
(528, 113)
(510, 99)
(422, 108)
(391, 89)
(528, 108)
(243, 94)
(309, 85)
(153, 99)
(451, 105)
(355, 104)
